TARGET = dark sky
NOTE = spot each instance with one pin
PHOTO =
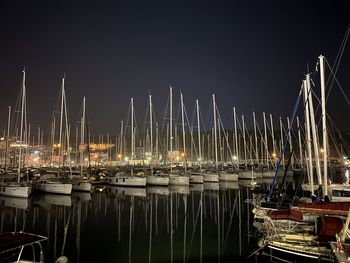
(251, 54)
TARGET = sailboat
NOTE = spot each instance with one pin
(18, 189)
(122, 178)
(197, 178)
(174, 179)
(154, 179)
(50, 185)
(80, 183)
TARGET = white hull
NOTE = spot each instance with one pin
(179, 180)
(196, 179)
(127, 181)
(247, 175)
(84, 186)
(53, 187)
(339, 192)
(208, 177)
(15, 190)
(157, 180)
(228, 177)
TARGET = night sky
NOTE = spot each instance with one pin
(251, 54)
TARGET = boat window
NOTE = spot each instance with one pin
(341, 193)
(336, 193)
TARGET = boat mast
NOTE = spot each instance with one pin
(61, 122)
(171, 128)
(151, 131)
(290, 143)
(21, 129)
(183, 132)
(121, 141)
(215, 135)
(273, 137)
(300, 146)
(132, 133)
(281, 128)
(265, 139)
(236, 136)
(7, 136)
(314, 132)
(324, 126)
(244, 144)
(308, 138)
(67, 136)
(256, 140)
(199, 138)
(82, 130)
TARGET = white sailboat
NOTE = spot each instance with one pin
(18, 189)
(57, 186)
(154, 179)
(198, 178)
(80, 183)
(222, 175)
(174, 179)
(121, 178)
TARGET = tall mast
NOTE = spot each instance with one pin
(244, 143)
(256, 140)
(132, 130)
(82, 130)
(7, 136)
(61, 123)
(290, 143)
(199, 138)
(21, 131)
(183, 131)
(151, 131)
(265, 139)
(308, 137)
(273, 136)
(215, 135)
(157, 150)
(314, 132)
(67, 136)
(236, 135)
(171, 128)
(281, 128)
(121, 140)
(324, 126)
(300, 145)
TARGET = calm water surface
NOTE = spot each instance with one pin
(202, 223)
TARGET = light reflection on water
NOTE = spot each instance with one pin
(203, 223)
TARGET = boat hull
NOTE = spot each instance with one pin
(227, 177)
(53, 187)
(157, 180)
(196, 179)
(15, 190)
(81, 186)
(128, 181)
(213, 178)
(178, 180)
